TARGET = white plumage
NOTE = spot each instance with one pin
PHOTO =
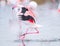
(33, 4)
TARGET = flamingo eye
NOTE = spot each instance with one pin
(18, 9)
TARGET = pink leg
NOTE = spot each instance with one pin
(23, 35)
(23, 43)
(33, 32)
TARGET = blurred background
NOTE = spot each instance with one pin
(48, 15)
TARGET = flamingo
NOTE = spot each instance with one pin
(26, 14)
